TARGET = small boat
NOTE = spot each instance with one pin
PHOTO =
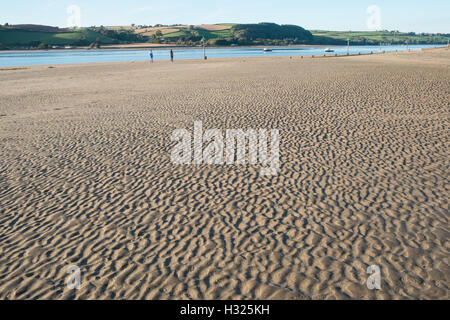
(329, 50)
(267, 50)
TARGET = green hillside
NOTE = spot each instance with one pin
(186, 33)
(273, 34)
(244, 34)
(270, 31)
(29, 37)
(375, 37)
(36, 36)
(18, 38)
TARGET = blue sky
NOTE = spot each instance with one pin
(402, 15)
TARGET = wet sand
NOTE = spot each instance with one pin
(86, 179)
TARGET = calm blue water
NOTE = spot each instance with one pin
(30, 58)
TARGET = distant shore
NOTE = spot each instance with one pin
(144, 46)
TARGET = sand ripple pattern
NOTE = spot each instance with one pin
(86, 179)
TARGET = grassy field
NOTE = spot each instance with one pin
(204, 31)
(215, 34)
(179, 33)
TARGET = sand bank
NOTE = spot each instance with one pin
(86, 179)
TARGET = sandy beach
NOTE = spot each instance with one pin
(86, 179)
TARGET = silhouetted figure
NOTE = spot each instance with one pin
(171, 55)
(151, 56)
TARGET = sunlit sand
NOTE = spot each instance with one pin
(86, 179)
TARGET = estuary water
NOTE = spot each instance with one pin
(51, 57)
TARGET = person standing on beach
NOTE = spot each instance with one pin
(171, 55)
(151, 56)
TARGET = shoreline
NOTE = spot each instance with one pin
(143, 48)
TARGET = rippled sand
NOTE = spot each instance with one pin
(86, 179)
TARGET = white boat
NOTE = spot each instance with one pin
(329, 50)
(267, 50)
